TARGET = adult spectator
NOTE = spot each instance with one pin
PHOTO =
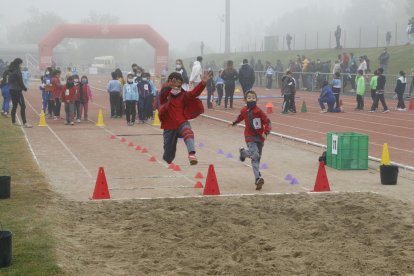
(388, 38)
(410, 31)
(246, 76)
(259, 68)
(16, 88)
(229, 75)
(383, 59)
(353, 68)
(362, 65)
(338, 32)
(288, 41)
(279, 72)
(196, 72)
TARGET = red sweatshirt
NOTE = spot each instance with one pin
(56, 87)
(260, 122)
(71, 94)
(172, 108)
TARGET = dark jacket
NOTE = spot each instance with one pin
(288, 85)
(381, 82)
(229, 77)
(401, 84)
(16, 80)
(246, 75)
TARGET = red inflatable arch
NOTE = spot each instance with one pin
(92, 31)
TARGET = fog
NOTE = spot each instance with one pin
(185, 23)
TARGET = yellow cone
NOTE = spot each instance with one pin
(385, 157)
(100, 119)
(237, 90)
(42, 119)
(156, 119)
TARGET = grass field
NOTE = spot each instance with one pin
(399, 56)
(27, 213)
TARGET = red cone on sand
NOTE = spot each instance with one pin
(152, 159)
(198, 185)
(123, 139)
(101, 187)
(211, 187)
(138, 148)
(113, 137)
(321, 183)
(144, 150)
(199, 175)
(171, 166)
(177, 168)
(130, 144)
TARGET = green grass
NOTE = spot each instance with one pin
(26, 213)
(401, 57)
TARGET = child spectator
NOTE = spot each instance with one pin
(56, 93)
(145, 98)
(373, 85)
(336, 88)
(85, 95)
(379, 95)
(77, 97)
(176, 107)
(269, 72)
(360, 90)
(114, 90)
(121, 105)
(219, 86)
(149, 101)
(328, 97)
(400, 89)
(258, 126)
(69, 96)
(179, 67)
(5, 92)
(288, 89)
(211, 87)
(46, 88)
(130, 99)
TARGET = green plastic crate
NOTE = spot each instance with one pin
(347, 150)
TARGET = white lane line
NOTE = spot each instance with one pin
(64, 145)
(28, 142)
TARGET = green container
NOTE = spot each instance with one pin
(347, 150)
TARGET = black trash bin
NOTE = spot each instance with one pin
(389, 174)
(5, 248)
(5, 187)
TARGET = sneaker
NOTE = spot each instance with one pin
(323, 111)
(386, 111)
(72, 123)
(259, 183)
(4, 114)
(352, 90)
(193, 159)
(403, 109)
(26, 125)
(16, 124)
(55, 118)
(67, 123)
(371, 110)
(242, 157)
(78, 121)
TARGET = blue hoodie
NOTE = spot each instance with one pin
(327, 94)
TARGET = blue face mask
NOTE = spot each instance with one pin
(251, 104)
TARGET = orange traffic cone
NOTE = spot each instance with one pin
(130, 144)
(123, 139)
(101, 187)
(138, 148)
(211, 187)
(113, 137)
(152, 159)
(144, 150)
(321, 183)
(199, 175)
(269, 108)
(198, 185)
(411, 105)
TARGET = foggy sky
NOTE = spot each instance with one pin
(180, 22)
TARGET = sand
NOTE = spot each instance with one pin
(298, 234)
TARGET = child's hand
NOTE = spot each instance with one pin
(206, 77)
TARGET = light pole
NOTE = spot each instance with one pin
(221, 17)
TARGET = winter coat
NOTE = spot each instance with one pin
(246, 75)
(16, 80)
(401, 84)
(360, 85)
(229, 77)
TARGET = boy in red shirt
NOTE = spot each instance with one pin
(258, 126)
(69, 96)
(177, 106)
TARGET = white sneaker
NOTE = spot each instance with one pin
(78, 121)
(386, 111)
(26, 125)
(323, 111)
(399, 109)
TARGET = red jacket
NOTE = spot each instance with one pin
(172, 108)
(56, 87)
(71, 94)
(260, 122)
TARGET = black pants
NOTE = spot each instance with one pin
(18, 99)
(269, 82)
(287, 103)
(51, 107)
(58, 104)
(114, 102)
(130, 111)
(360, 102)
(379, 97)
(400, 103)
(373, 93)
(229, 94)
(336, 92)
(77, 110)
(121, 106)
(219, 93)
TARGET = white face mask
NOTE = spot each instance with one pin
(76, 82)
(178, 66)
(144, 79)
(130, 80)
(175, 91)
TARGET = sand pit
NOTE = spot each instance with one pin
(302, 234)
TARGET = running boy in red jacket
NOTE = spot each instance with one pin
(258, 126)
(177, 106)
